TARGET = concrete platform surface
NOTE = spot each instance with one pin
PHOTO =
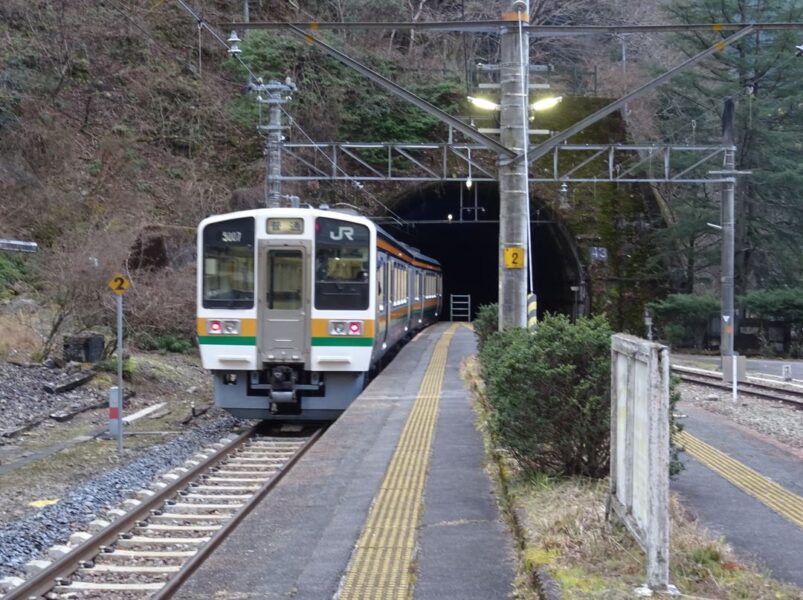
(753, 530)
(299, 541)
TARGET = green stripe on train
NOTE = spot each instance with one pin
(342, 341)
(217, 340)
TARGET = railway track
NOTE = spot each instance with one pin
(788, 393)
(154, 548)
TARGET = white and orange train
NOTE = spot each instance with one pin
(297, 305)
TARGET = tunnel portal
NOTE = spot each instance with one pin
(468, 245)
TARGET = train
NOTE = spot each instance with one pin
(297, 306)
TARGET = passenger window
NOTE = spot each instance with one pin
(342, 256)
(285, 279)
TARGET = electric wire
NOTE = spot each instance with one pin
(399, 220)
(201, 22)
(524, 59)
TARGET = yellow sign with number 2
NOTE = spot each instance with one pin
(119, 284)
(514, 257)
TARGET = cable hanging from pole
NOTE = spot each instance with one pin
(524, 56)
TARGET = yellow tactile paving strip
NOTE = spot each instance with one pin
(382, 566)
(766, 491)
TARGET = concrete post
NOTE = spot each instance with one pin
(278, 94)
(728, 235)
(513, 182)
(274, 155)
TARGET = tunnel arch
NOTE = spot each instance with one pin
(468, 246)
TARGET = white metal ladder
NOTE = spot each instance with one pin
(460, 307)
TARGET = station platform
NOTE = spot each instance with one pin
(391, 503)
(742, 486)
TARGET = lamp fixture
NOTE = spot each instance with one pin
(483, 103)
(546, 103)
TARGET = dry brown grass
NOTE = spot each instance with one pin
(20, 339)
(566, 531)
(563, 529)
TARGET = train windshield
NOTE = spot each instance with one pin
(342, 256)
(228, 255)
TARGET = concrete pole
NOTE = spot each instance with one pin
(273, 154)
(513, 184)
(728, 219)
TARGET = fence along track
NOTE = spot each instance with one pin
(787, 393)
(153, 549)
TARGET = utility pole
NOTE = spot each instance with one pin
(278, 94)
(514, 196)
(728, 217)
(728, 222)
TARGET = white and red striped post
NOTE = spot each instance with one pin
(116, 416)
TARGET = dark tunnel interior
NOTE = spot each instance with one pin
(468, 245)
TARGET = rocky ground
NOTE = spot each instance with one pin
(25, 402)
(55, 476)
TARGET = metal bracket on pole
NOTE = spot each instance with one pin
(537, 151)
(18, 246)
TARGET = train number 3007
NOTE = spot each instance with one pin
(231, 236)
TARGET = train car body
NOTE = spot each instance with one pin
(297, 305)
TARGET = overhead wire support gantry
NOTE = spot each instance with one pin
(449, 162)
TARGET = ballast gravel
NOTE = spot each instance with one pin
(28, 537)
(24, 401)
(779, 421)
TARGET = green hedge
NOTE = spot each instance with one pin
(682, 319)
(549, 394)
(486, 323)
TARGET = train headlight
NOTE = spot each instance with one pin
(228, 327)
(231, 327)
(345, 328)
(338, 327)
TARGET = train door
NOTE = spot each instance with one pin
(421, 299)
(284, 304)
(408, 293)
(382, 299)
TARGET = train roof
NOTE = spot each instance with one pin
(415, 253)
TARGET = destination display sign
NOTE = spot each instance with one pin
(285, 226)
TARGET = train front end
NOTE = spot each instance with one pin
(286, 305)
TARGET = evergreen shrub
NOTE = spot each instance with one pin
(549, 394)
(486, 323)
(683, 318)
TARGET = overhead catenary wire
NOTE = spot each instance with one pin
(219, 38)
(399, 220)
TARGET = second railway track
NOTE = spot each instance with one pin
(154, 548)
(790, 394)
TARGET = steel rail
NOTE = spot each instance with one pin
(43, 582)
(763, 390)
(174, 583)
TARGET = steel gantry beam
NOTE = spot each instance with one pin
(538, 150)
(445, 162)
(398, 90)
(493, 26)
